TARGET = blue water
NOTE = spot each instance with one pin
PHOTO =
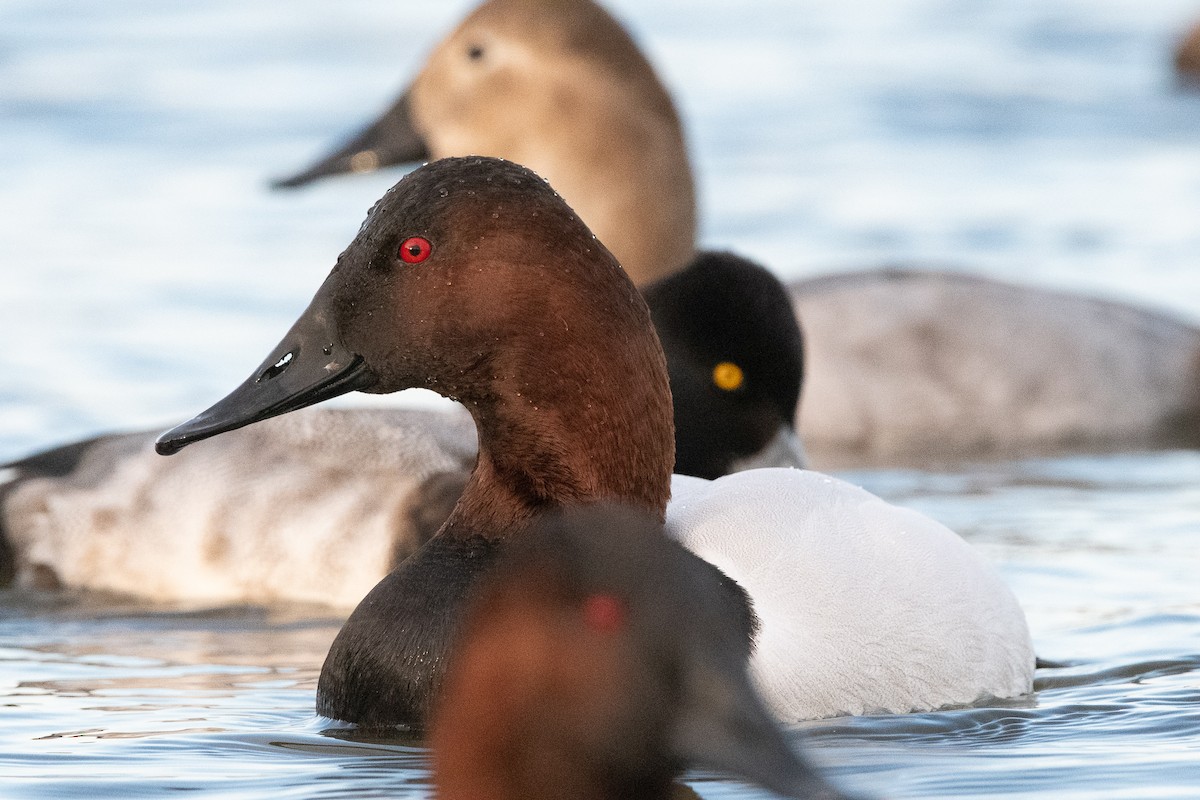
(146, 269)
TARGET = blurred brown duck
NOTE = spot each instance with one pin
(597, 660)
(1187, 57)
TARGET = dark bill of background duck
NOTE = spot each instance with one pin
(307, 367)
(386, 142)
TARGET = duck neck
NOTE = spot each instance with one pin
(568, 429)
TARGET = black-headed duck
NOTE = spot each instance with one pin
(735, 355)
(473, 278)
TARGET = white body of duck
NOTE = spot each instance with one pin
(864, 607)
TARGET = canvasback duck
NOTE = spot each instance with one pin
(473, 278)
(906, 366)
(536, 82)
(266, 514)
(597, 660)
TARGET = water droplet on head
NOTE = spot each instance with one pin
(443, 192)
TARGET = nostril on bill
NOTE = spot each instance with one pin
(279, 367)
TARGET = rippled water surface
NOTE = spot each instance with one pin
(146, 269)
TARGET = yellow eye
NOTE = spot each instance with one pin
(728, 376)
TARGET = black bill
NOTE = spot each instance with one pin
(308, 366)
(725, 727)
(389, 140)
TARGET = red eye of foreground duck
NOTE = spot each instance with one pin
(604, 613)
(415, 250)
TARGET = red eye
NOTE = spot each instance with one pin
(604, 613)
(415, 250)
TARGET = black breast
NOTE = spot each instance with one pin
(387, 663)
